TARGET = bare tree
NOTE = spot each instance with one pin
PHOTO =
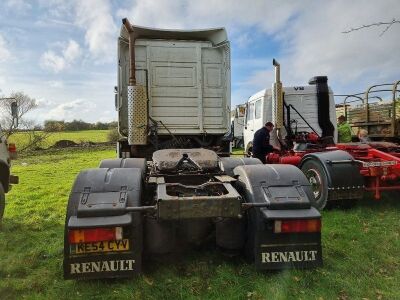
(24, 103)
(377, 24)
(33, 137)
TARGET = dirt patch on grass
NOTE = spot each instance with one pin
(64, 144)
(68, 144)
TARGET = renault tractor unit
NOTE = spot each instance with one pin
(170, 187)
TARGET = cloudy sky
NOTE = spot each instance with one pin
(63, 53)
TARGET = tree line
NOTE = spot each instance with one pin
(9, 124)
(75, 125)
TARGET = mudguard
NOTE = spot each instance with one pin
(343, 174)
(286, 192)
(98, 199)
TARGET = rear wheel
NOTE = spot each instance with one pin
(2, 202)
(318, 179)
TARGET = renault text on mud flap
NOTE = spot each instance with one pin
(102, 266)
(288, 256)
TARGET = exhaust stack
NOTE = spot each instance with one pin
(137, 100)
(277, 98)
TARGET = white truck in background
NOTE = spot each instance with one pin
(305, 117)
(237, 119)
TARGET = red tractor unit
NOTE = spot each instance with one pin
(336, 171)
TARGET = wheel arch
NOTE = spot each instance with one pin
(342, 172)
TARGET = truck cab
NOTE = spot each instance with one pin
(304, 116)
(181, 90)
(7, 153)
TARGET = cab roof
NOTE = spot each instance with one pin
(215, 35)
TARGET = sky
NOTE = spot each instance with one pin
(64, 53)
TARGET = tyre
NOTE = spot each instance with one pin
(250, 238)
(249, 150)
(318, 179)
(2, 202)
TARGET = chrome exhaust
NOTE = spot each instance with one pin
(137, 100)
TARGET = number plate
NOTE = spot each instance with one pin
(379, 163)
(107, 246)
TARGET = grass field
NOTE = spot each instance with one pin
(96, 136)
(361, 250)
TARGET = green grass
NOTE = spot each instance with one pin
(96, 136)
(361, 250)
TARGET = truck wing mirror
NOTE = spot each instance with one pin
(14, 112)
(14, 109)
(116, 98)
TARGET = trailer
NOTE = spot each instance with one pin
(337, 172)
(369, 111)
(159, 197)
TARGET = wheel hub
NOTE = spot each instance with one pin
(316, 183)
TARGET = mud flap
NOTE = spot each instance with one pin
(286, 250)
(286, 193)
(98, 199)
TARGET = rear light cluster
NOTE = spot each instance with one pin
(12, 150)
(292, 226)
(91, 235)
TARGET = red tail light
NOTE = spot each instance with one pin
(12, 147)
(286, 226)
(12, 150)
(94, 235)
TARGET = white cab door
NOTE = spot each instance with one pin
(248, 131)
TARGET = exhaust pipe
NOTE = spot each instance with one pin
(277, 70)
(132, 75)
(137, 100)
(277, 104)
(277, 98)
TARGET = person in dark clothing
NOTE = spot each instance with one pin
(261, 145)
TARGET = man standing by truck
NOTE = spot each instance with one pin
(344, 130)
(261, 142)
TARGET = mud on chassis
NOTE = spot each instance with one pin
(128, 209)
